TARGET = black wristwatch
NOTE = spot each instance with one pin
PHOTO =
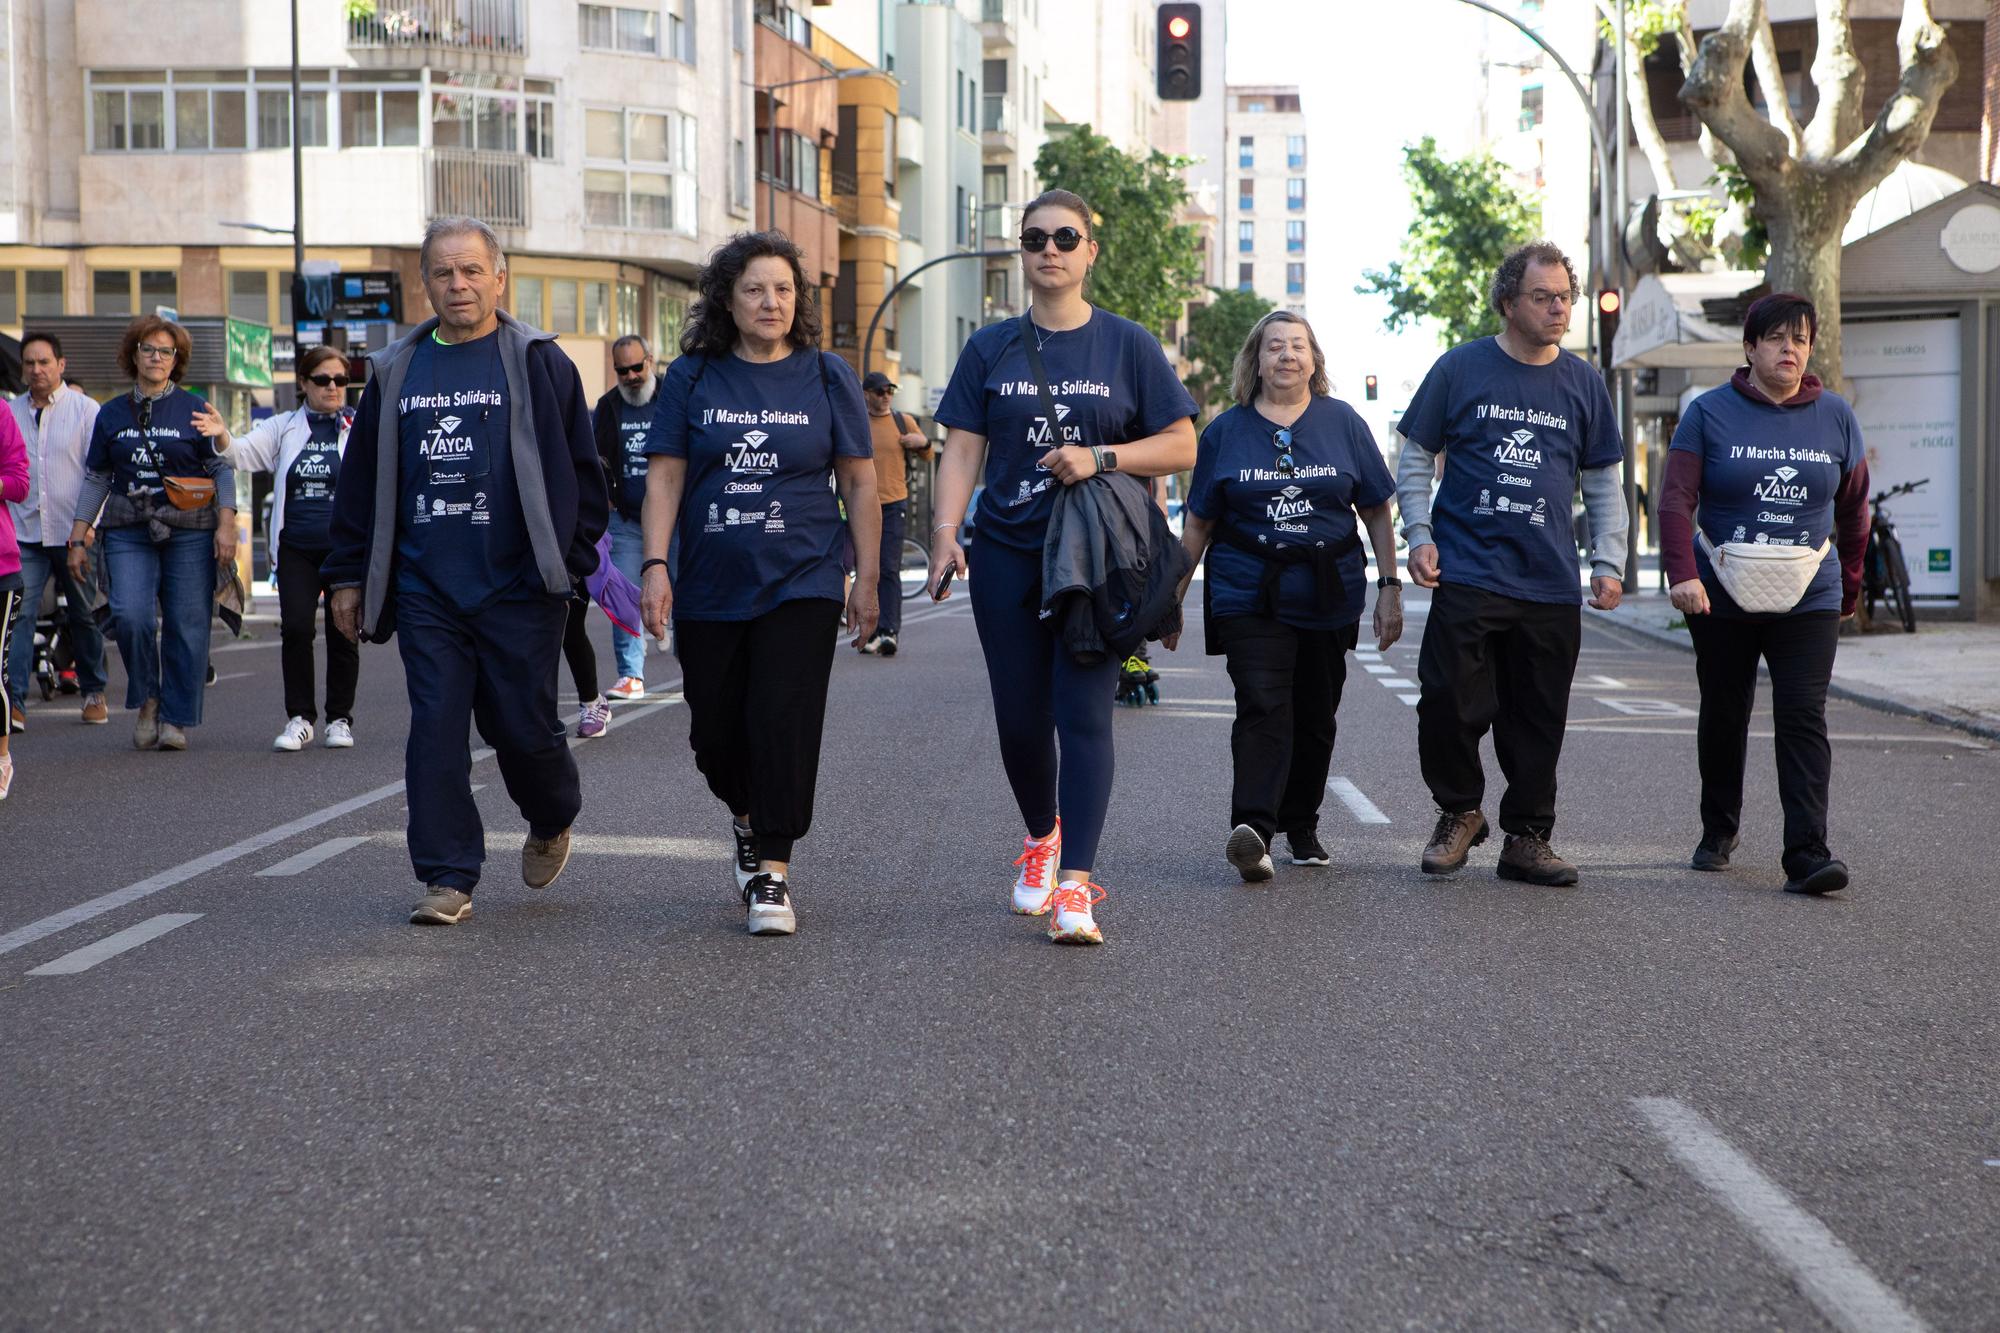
(1388, 581)
(1110, 463)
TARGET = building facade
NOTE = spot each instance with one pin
(798, 124)
(1265, 200)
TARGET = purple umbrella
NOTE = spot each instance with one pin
(616, 595)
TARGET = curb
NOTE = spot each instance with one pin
(1971, 723)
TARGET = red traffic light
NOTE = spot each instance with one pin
(1178, 27)
(1608, 301)
(1177, 53)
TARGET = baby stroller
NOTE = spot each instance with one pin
(54, 659)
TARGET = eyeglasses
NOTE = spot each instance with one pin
(1034, 239)
(884, 392)
(1281, 438)
(166, 353)
(1542, 300)
(329, 381)
(636, 369)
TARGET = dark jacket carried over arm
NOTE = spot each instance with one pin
(564, 501)
(1110, 568)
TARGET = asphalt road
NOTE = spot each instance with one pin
(1357, 1098)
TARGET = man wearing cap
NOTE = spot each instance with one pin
(894, 436)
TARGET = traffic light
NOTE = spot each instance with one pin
(1179, 50)
(1608, 304)
(1370, 388)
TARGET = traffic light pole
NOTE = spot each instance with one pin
(868, 343)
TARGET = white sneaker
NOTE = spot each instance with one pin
(339, 735)
(294, 737)
(1040, 858)
(6, 775)
(1247, 852)
(1071, 921)
(172, 737)
(768, 902)
(628, 688)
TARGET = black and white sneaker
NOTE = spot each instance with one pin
(746, 855)
(768, 902)
(1246, 851)
(1307, 850)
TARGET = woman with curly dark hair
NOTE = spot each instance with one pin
(165, 502)
(752, 420)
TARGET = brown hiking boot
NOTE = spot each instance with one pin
(1526, 856)
(542, 859)
(1457, 833)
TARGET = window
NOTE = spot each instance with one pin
(680, 30)
(209, 119)
(669, 315)
(562, 305)
(962, 217)
(1295, 279)
(1246, 276)
(274, 118)
(1531, 107)
(618, 28)
(1295, 238)
(961, 99)
(121, 291)
(384, 116)
(639, 169)
(993, 201)
(844, 305)
(996, 290)
(628, 309)
(794, 26)
(492, 113)
(1246, 151)
(739, 174)
(24, 294)
(128, 120)
(1295, 193)
(1255, 107)
(1246, 236)
(250, 295)
(525, 298)
(889, 154)
(1295, 151)
(1246, 193)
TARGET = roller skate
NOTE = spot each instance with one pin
(1138, 683)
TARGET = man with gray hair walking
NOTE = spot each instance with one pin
(471, 498)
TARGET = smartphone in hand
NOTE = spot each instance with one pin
(944, 583)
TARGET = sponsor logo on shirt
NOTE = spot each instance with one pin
(714, 523)
(1517, 449)
(1781, 486)
(1041, 436)
(1291, 505)
(748, 456)
(744, 488)
(1509, 479)
(423, 514)
(1485, 505)
(774, 520)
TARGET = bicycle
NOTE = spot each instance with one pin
(1885, 575)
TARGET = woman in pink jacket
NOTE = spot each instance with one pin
(13, 489)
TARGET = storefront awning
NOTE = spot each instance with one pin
(1662, 324)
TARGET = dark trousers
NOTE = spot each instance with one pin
(1799, 651)
(1288, 684)
(756, 697)
(1496, 662)
(299, 592)
(1041, 697)
(577, 650)
(895, 516)
(496, 668)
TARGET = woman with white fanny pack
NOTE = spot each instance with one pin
(1763, 525)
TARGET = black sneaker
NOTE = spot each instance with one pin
(1828, 876)
(1712, 853)
(885, 644)
(1307, 849)
(746, 854)
(768, 901)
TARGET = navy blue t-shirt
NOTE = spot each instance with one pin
(1769, 475)
(171, 440)
(759, 522)
(1514, 438)
(1336, 470)
(460, 530)
(630, 483)
(1110, 381)
(309, 484)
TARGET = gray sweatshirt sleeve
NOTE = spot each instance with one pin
(1604, 509)
(1415, 466)
(90, 497)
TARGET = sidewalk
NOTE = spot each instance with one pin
(1948, 672)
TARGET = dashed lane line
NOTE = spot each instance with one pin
(1351, 796)
(1828, 1274)
(310, 857)
(90, 955)
(1410, 699)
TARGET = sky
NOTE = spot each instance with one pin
(1372, 77)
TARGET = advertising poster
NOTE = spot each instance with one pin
(1904, 384)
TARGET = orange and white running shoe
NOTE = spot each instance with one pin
(1038, 861)
(1072, 922)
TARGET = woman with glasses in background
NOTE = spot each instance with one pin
(165, 501)
(1119, 407)
(301, 449)
(1284, 483)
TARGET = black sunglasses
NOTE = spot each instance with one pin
(1034, 239)
(1282, 439)
(633, 369)
(329, 381)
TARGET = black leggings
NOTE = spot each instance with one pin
(756, 697)
(299, 592)
(1042, 697)
(576, 645)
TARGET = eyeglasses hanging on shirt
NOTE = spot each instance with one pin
(1281, 439)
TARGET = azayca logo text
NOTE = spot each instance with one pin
(1781, 486)
(1517, 449)
(446, 452)
(1289, 511)
(749, 458)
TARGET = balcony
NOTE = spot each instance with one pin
(996, 122)
(996, 25)
(480, 35)
(490, 186)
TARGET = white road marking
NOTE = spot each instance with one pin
(1378, 669)
(1411, 699)
(1649, 707)
(1367, 655)
(1351, 796)
(1827, 1272)
(1613, 725)
(235, 675)
(311, 856)
(1181, 712)
(90, 955)
(1396, 683)
(1606, 682)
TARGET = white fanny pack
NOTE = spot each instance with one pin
(1764, 578)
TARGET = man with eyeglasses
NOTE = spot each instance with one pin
(620, 421)
(55, 422)
(1520, 423)
(895, 440)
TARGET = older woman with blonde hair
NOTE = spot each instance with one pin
(1284, 483)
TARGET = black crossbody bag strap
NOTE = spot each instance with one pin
(1041, 373)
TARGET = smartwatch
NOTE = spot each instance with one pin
(1107, 461)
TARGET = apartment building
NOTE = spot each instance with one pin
(798, 124)
(1265, 207)
(608, 144)
(864, 181)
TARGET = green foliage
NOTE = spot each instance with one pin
(1149, 264)
(1216, 333)
(1468, 218)
(1647, 22)
(1756, 239)
(360, 10)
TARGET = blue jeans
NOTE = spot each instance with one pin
(627, 545)
(162, 598)
(39, 564)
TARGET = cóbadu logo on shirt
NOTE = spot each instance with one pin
(1516, 449)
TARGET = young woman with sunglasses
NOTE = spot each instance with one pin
(1119, 407)
(302, 450)
(1284, 483)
